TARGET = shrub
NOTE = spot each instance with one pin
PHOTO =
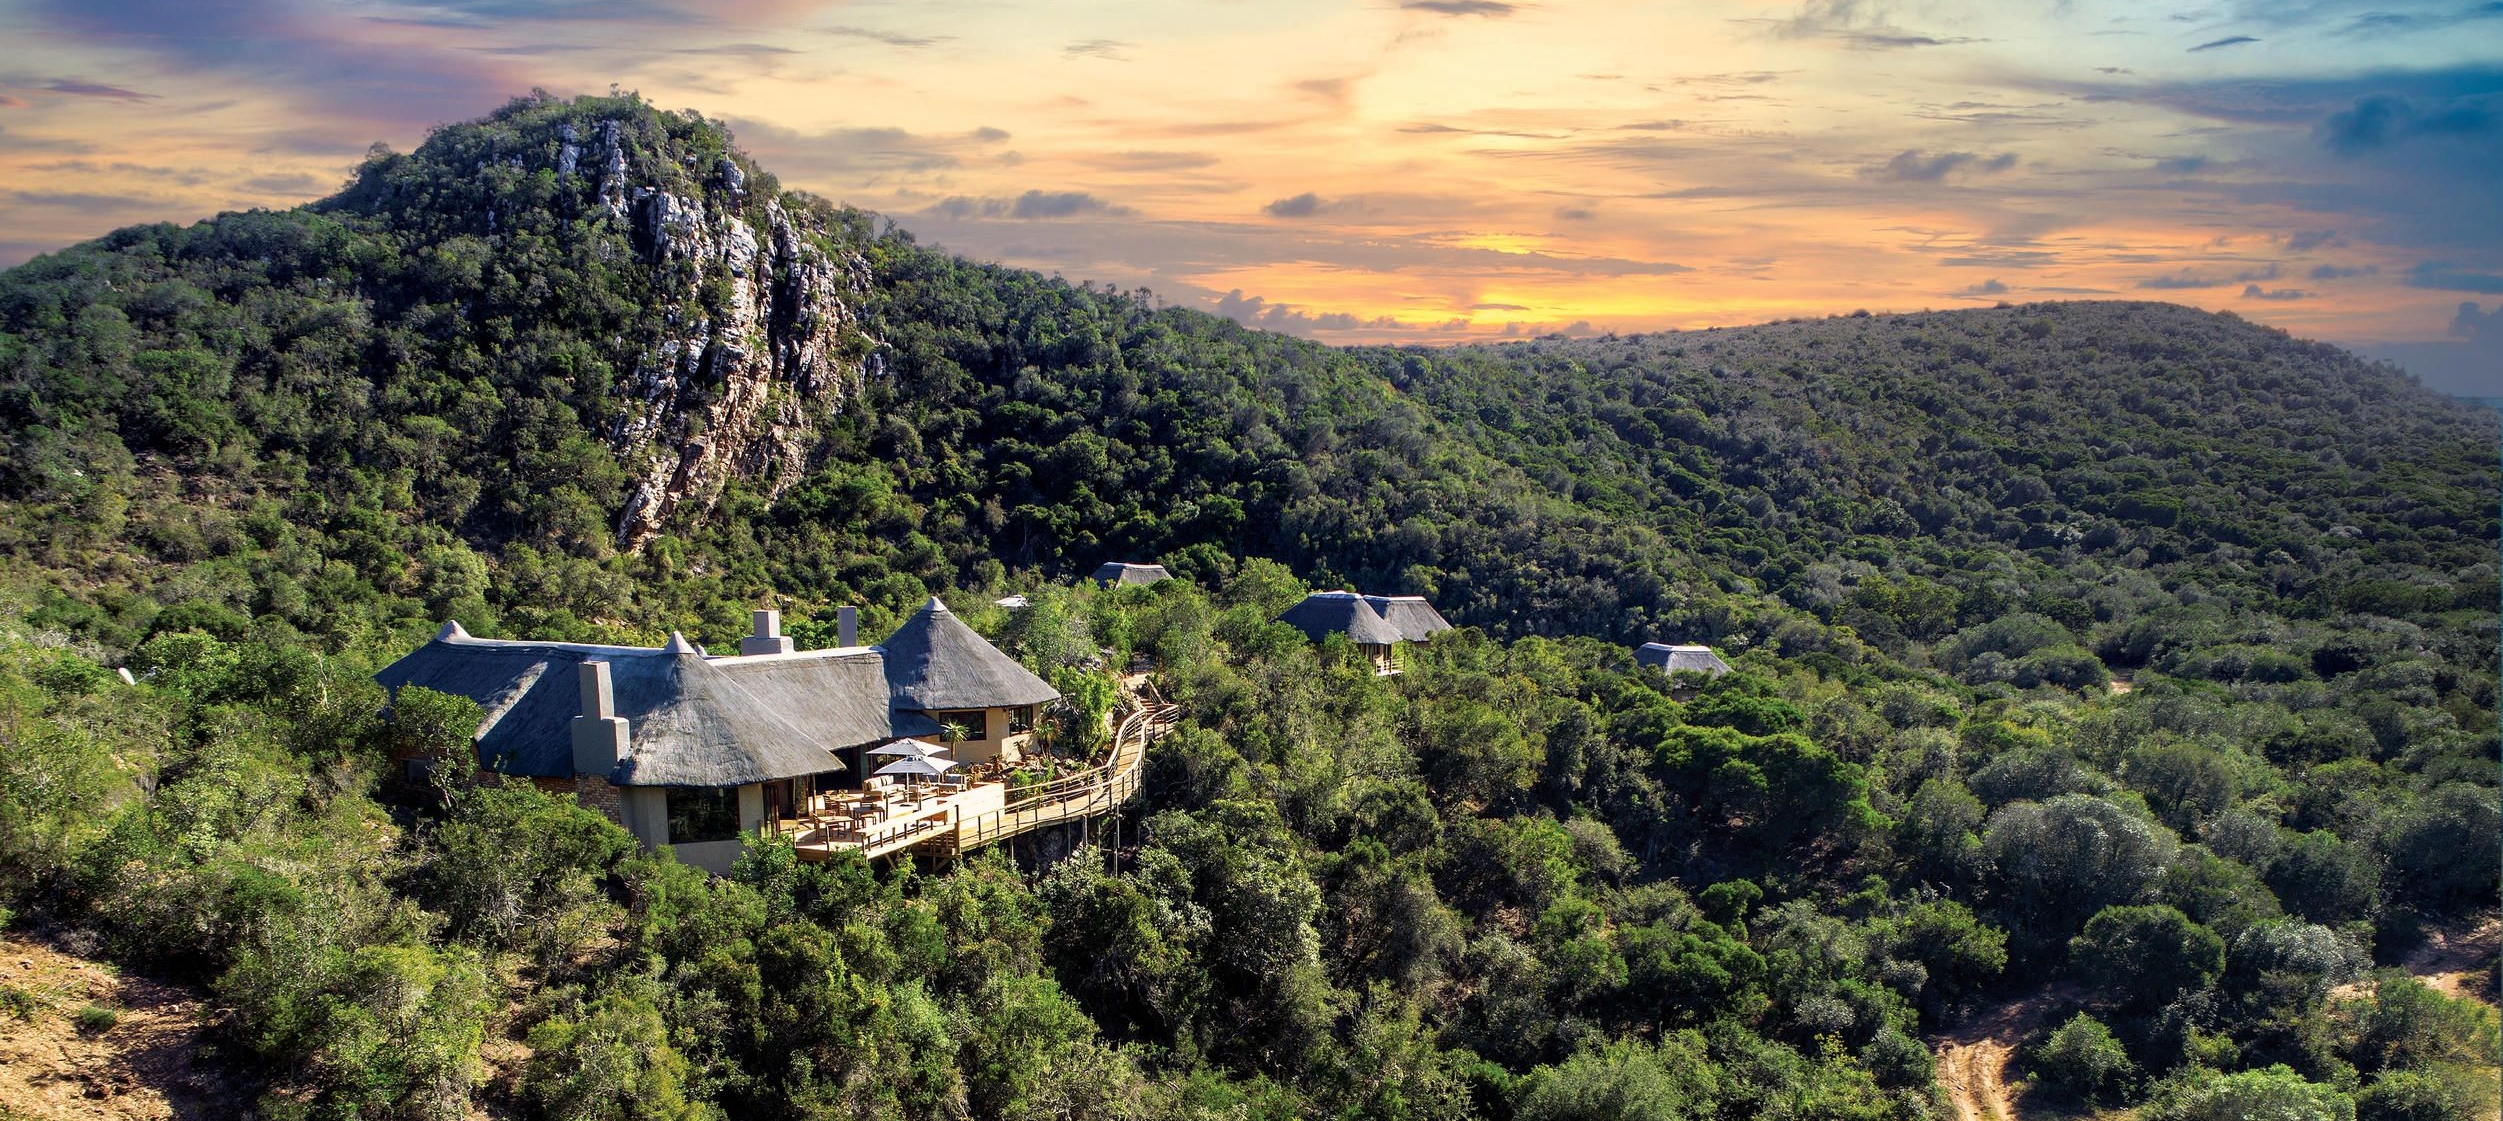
(96, 1019)
(2082, 1060)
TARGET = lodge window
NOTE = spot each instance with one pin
(1021, 719)
(703, 813)
(971, 722)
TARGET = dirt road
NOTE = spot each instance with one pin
(140, 1069)
(1973, 1060)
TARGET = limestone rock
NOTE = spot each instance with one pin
(756, 325)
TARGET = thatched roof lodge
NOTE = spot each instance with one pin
(1323, 614)
(1676, 659)
(1119, 573)
(1415, 619)
(693, 750)
(936, 666)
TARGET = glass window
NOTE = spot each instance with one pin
(1021, 718)
(703, 813)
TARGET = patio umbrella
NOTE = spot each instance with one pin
(918, 765)
(911, 749)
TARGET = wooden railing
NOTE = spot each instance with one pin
(1087, 793)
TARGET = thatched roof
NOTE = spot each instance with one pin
(691, 720)
(842, 697)
(1322, 614)
(1416, 619)
(934, 662)
(1676, 658)
(1122, 572)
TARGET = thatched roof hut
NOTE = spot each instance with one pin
(1114, 573)
(692, 720)
(1416, 619)
(935, 662)
(1674, 659)
(1322, 614)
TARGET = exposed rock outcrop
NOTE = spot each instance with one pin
(754, 343)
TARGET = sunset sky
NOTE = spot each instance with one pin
(1427, 170)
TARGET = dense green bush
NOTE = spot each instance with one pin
(253, 459)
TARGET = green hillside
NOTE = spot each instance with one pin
(583, 371)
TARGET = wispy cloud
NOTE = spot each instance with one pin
(1034, 205)
(890, 38)
(2188, 280)
(1923, 167)
(1859, 24)
(345, 63)
(75, 88)
(2447, 277)
(1109, 49)
(1461, 7)
(2220, 44)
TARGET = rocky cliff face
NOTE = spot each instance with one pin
(757, 314)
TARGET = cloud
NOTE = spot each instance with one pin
(2390, 23)
(2220, 44)
(1490, 8)
(2181, 165)
(2471, 323)
(1304, 205)
(2443, 276)
(2469, 362)
(356, 72)
(2308, 240)
(18, 142)
(1576, 213)
(2396, 157)
(1990, 287)
(2002, 259)
(2255, 292)
(1255, 311)
(1107, 49)
(858, 153)
(2186, 280)
(1150, 161)
(1858, 24)
(2379, 120)
(2342, 272)
(75, 88)
(1028, 207)
(1910, 166)
(1336, 91)
(890, 38)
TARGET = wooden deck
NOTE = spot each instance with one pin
(988, 813)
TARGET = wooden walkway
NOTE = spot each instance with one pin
(1089, 793)
(1084, 794)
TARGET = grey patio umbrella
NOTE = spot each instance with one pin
(910, 749)
(918, 765)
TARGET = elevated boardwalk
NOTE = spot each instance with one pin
(954, 827)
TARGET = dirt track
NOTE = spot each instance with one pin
(2460, 962)
(140, 1068)
(1973, 1059)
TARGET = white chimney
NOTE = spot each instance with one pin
(768, 638)
(846, 626)
(600, 736)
